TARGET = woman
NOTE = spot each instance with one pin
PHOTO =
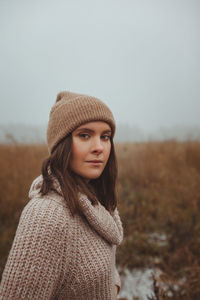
(66, 240)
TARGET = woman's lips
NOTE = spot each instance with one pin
(95, 162)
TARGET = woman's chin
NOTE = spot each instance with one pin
(91, 176)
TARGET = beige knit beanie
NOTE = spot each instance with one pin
(72, 110)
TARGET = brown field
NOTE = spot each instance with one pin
(159, 204)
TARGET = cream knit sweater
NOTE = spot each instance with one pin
(58, 257)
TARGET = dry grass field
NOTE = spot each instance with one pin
(159, 204)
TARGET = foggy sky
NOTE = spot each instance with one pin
(140, 57)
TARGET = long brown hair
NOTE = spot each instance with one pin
(102, 189)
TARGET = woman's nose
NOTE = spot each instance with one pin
(97, 145)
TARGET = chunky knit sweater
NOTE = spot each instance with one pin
(58, 257)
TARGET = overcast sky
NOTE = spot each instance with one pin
(141, 57)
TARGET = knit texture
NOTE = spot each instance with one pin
(58, 257)
(72, 110)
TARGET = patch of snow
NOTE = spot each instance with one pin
(137, 283)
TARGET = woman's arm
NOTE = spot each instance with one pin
(34, 266)
(116, 290)
(117, 280)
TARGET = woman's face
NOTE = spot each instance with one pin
(91, 147)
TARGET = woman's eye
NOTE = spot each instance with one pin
(106, 137)
(84, 135)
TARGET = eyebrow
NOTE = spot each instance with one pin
(92, 131)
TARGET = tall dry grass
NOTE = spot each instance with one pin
(19, 164)
(159, 189)
(159, 204)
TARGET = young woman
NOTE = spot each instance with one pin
(65, 244)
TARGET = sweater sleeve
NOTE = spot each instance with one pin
(117, 279)
(35, 264)
(120, 226)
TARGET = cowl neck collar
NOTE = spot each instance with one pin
(107, 225)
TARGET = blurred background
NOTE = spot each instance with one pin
(141, 57)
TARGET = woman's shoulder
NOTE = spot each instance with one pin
(50, 201)
(43, 219)
(49, 210)
(47, 207)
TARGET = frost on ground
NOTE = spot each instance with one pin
(137, 283)
(140, 284)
